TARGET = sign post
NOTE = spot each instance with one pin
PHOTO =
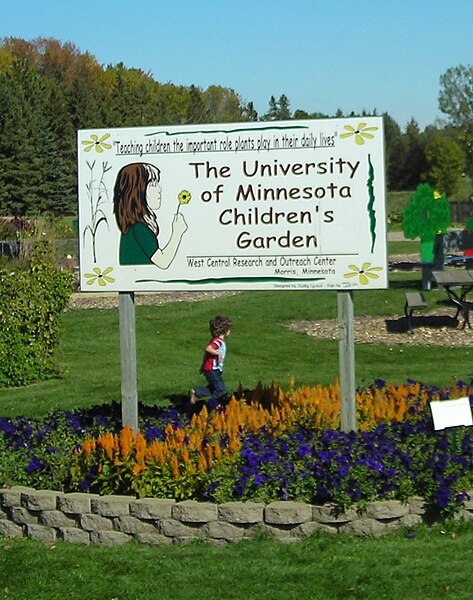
(281, 205)
(128, 360)
(346, 360)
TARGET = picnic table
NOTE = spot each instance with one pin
(457, 284)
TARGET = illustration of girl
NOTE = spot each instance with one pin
(136, 198)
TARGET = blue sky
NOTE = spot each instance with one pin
(323, 54)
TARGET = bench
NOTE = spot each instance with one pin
(414, 301)
(10, 249)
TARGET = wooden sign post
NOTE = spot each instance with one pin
(346, 359)
(128, 360)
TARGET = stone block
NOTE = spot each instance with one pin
(10, 497)
(40, 533)
(75, 503)
(287, 513)
(152, 508)
(133, 525)
(74, 535)
(311, 528)
(55, 518)
(329, 515)
(195, 512)
(109, 538)
(153, 539)
(9, 529)
(364, 527)
(112, 506)
(277, 533)
(173, 528)
(416, 505)
(463, 515)
(410, 521)
(95, 523)
(22, 516)
(39, 500)
(386, 509)
(241, 512)
(220, 530)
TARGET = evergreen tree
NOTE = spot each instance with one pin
(284, 111)
(273, 109)
(196, 110)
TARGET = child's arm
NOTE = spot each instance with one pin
(214, 352)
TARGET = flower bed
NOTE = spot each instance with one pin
(270, 445)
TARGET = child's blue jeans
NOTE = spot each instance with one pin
(215, 388)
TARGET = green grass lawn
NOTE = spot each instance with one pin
(426, 564)
(171, 338)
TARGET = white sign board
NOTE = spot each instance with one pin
(451, 413)
(267, 205)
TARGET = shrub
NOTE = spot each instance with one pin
(32, 297)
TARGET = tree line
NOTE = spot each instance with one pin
(50, 89)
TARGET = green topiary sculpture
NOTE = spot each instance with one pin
(427, 214)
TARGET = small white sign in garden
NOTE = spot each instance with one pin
(288, 205)
(451, 413)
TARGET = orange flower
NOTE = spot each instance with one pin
(174, 467)
(88, 446)
(137, 469)
(140, 447)
(126, 441)
(202, 466)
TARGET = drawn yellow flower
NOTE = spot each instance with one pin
(365, 273)
(99, 276)
(99, 144)
(184, 197)
(360, 133)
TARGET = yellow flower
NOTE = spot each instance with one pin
(99, 276)
(365, 273)
(437, 195)
(184, 197)
(360, 133)
(99, 144)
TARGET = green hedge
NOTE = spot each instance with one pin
(32, 297)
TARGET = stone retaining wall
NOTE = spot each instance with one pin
(87, 519)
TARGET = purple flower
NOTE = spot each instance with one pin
(84, 485)
(259, 480)
(303, 449)
(34, 465)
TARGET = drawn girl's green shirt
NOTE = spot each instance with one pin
(137, 245)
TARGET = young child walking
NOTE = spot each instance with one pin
(212, 364)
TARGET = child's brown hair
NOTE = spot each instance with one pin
(220, 326)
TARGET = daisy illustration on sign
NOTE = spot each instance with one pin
(100, 277)
(99, 144)
(364, 273)
(361, 133)
(136, 201)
